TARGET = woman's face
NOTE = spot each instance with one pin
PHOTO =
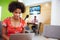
(16, 13)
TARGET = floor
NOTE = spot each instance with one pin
(41, 38)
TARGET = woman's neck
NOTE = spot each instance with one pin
(15, 19)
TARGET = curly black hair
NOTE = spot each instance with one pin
(15, 4)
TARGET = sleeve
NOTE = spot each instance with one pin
(4, 23)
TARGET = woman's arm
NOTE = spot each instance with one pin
(4, 33)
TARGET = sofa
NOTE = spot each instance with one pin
(0, 30)
(51, 31)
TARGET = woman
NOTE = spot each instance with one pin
(14, 24)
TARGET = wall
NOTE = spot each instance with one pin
(0, 12)
(45, 15)
(26, 12)
(4, 4)
(46, 12)
(55, 12)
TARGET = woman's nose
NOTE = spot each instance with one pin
(17, 14)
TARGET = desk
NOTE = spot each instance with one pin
(38, 26)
